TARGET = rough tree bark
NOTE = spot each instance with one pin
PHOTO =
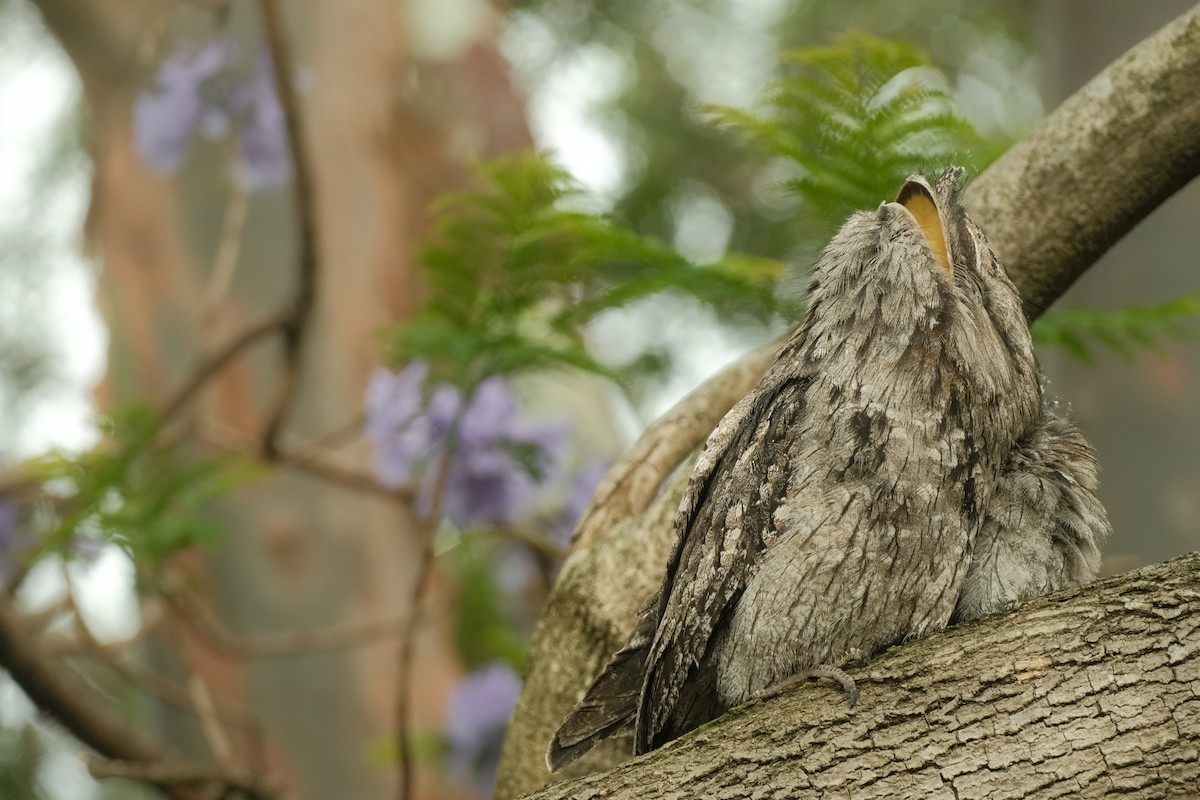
(1093, 169)
(979, 711)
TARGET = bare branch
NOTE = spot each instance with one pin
(206, 711)
(179, 774)
(320, 463)
(280, 645)
(426, 531)
(296, 326)
(212, 365)
(60, 694)
(228, 249)
(162, 688)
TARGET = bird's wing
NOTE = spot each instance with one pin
(739, 480)
(1044, 525)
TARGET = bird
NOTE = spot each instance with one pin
(899, 467)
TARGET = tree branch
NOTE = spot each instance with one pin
(1082, 694)
(55, 690)
(277, 645)
(58, 693)
(223, 356)
(1097, 166)
(295, 328)
(175, 774)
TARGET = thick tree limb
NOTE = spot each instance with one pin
(1083, 694)
(1050, 207)
(1097, 166)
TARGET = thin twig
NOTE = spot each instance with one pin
(84, 641)
(206, 711)
(342, 434)
(426, 533)
(228, 250)
(278, 645)
(222, 357)
(165, 773)
(319, 463)
(308, 458)
(541, 544)
(168, 691)
(296, 325)
(61, 694)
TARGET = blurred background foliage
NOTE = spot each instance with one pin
(694, 157)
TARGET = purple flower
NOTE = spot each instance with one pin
(406, 429)
(263, 129)
(476, 720)
(199, 92)
(500, 458)
(165, 122)
(516, 566)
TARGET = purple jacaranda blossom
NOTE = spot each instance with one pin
(406, 428)
(516, 566)
(204, 91)
(166, 121)
(499, 460)
(476, 719)
(262, 129)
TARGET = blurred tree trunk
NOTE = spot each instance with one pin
(298, 554)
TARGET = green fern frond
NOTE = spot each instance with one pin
(857, 118)
(1125, 331)
(512, 276)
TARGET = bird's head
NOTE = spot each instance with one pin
(913, 291)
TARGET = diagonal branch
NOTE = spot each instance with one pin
(175, 775)
(56, 691)
(296, 326)
(278, 645)
(1097, 166)
(220, 359)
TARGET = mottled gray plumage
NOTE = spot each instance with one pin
(1045, 525)
(836, 507)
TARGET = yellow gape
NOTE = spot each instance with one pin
(916, 198)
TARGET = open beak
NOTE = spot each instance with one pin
(917, 199)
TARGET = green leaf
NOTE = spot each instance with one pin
(136, 490)
(486, 627)
(513, 276)
(1125, 332)
(857, 118)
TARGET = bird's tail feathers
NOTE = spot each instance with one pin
(611, 703)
